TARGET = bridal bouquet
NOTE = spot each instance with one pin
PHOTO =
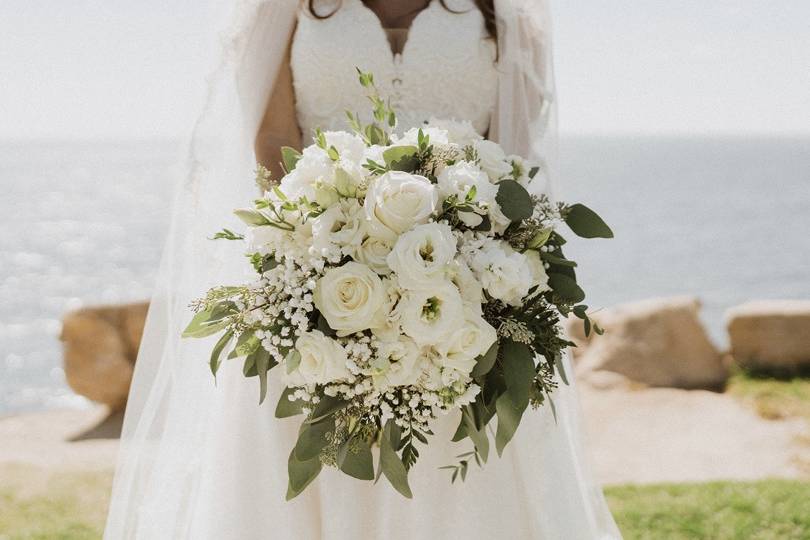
(400, 277)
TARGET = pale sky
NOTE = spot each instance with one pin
(118, 68)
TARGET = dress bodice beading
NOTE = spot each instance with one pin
(446, 68)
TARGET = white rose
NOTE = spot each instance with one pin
(539, 274)
(374, 249)
(421, 256)
(492, 159)
(350, 298)
(321, 360)
(464, 347)
(458, 179)
(398, 200)
(431, 316)
(396, 364)
(504, 273)
(461, 132)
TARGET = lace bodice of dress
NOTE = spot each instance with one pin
(445, 70)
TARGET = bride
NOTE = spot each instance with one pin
(199, 461)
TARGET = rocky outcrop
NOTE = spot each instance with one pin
(657, 342)
(100, 348)
(771, 336)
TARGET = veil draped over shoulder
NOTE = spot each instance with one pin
(179, 426)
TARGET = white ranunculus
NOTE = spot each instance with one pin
(374, 249)
(472, 340)
(420, 257)
(492, 159)
(398, 200)
(460, 132)
(504, 273)
(322, 360)
(459, 178)
(430, 316)
(350, 298)
(539, 274)
(396, 364)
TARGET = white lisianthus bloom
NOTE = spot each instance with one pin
(499, 220)
(388, 326)
(338, 230)
(350, 146)
(420, 257)
(396, 364)
(374, 249)
(398, 200)
(321, 360)
(436, 134)
(504, 273)
(460, 132)
(472, 292)
(350, 298)
(431, 316)
(539, 274)
(459, 178)
(492, 159)
(464, 347)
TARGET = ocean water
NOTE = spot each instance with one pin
(725, 219)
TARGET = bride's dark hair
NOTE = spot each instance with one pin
(487, 8)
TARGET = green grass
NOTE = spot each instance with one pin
(767, 510)
(773, 399)
(38, 505)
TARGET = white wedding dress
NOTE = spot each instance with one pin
(213, 464)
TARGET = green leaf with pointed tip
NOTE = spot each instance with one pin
(355, 459)
(539, 239)
(586, 223)
(289, 158)
(301, 474)
(485, 362)
(327, 406)
(287, 408)
(251, 217)
(262, 367)
(245, 345)
(515, 202)
(401, 158)
(312, 439)
(292, 361)
(209, 322)
(560, 261)
(478, 436)
(566, 287)
(392, 467)
(219, 348)
(518, 371)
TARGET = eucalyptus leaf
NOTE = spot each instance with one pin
(586, 223)
(515, 202)
(485, 362)
(518, 371)
(326, 407)
(208, 322)
(312, 439)
(478, 436)
(262, 367)
(559, 261)
(301, 474)
(355, 459)
(219, 348)
(287, 408)
(565, 287)
(540, 239)
(245, 344)
(391, 466)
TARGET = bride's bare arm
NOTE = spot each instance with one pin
(279, 125)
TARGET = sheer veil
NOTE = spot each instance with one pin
(173, 429)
